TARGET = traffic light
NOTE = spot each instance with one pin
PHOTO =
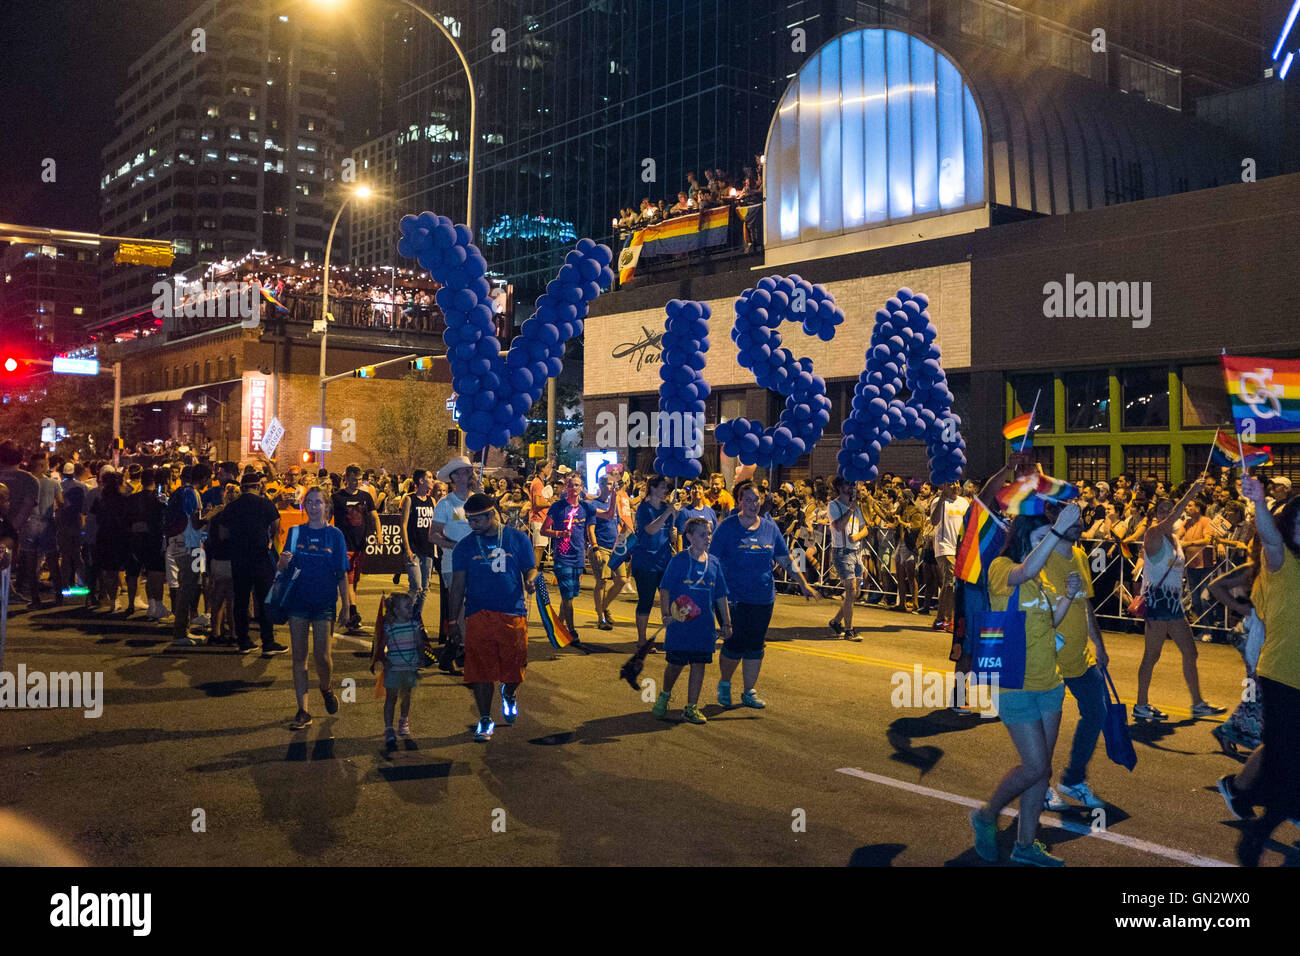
(309, 458)
(366, 371)
(11, 364)
(422, 364)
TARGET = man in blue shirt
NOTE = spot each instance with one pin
(492, 568)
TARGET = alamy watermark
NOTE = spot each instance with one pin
(1084, 299)
(208, 300)
(934, 690)
(683, 430)
(37, 690)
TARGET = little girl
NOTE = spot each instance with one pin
(400, 649)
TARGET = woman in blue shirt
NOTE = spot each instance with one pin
(747, 544)
(651, 551)
(315, 555)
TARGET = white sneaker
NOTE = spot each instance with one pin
(1083, 793)
(1052, 801)
(200, 620)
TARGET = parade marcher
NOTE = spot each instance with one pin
(651, 551)
(747, 545)
(357, 517)
(571, 524)
(400, 652)
(848, 528)
(539, 499)
(417, 548)
(1162, 583)
(691, 590)
(1031, 714)
(449, 528)
(609, 531)
(318, 553)
(254, 524)
(947, 514)
(493, 567)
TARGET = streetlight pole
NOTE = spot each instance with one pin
(361, 192)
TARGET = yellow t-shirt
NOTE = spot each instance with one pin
(1075, 656)
(1276, 596)
(1041, 671)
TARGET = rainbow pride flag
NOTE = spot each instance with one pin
(1020, 431)
(675, 236)
(269, 296)
(1225, 453)
(980, 543)
(1027, 494)
(1265, 393)
(556, 632)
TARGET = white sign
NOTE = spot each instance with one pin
(271, 437)
(322, 439)
(74, 366)
(256, 426)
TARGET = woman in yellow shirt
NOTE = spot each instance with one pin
(1031, 715)
(1276, 596)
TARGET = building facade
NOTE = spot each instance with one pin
(50, 293)
(373, 222)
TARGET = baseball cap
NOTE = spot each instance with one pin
(69, 469)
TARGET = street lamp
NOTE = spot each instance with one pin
(360, 192)
(473, 97)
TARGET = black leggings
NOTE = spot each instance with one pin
(647, 589)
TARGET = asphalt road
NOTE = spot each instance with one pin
(831, 774)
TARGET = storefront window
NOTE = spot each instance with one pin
(1145, 394)
(1087, 462)
(1205, 401)
(1143, 461)
(1025, 388)
(1087, 401)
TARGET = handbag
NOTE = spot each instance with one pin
(1119, 745)
(1138, 606)
(1000, 645)
(277, 599)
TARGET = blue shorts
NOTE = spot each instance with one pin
(395, 679)
(313, 614)
(682, 658)
(569, 580)
(1029, 706)
(848, 564)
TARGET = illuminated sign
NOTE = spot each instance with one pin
(72, 366)
(138, 254)
(256, 424)
(321, 439)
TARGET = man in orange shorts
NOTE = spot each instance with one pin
(492, 568)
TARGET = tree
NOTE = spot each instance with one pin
(568, 407)
(403, 438)
(83, 405)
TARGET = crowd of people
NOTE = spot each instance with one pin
(718, 189)
(251, 545)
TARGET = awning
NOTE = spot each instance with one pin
(172, 394)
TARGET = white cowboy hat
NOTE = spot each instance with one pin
(444, 473)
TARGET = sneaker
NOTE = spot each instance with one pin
(751, 699)
(390, 740)
(301, 721)
(1205, 709)
(246, 647)
(1147, 712)
(272, 649)
(509, 706)
(835, 626)
(660, 709)
(354, 622)
(961, 711)
(986, 838)
(484, 729)
(331, 702)
(604, 625)
(1083, 793)
(691, 714)
(187, 642)
(404, 727)
(852, 635)
(1034, 855)
(1237, 807)
(938, 625)
(1052, 801)
(724, 693)
(199, 621)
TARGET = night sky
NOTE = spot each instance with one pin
(63, 64)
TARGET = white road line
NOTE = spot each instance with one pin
(1191, 859)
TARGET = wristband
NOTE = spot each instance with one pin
(1057, 533)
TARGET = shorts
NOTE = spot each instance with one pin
(748, 631)
(539, 539)
(312, 614)
(568, 578)
(848, 564)
(1164, 604)
(395, 679)
(947, 569)
(600, 566)
(682, 658)
(496, 648)
(355, 561)
(1028, 706)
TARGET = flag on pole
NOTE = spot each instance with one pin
(1265, 393)
(1028, 494)
(556, 632)
(1225, 452)
(1020, 431)
(270, 297)
(980, 544)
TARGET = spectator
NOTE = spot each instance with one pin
(70, 523)
(253, 523)
(683, 205)
(145, 512)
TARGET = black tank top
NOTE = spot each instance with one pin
(418, 523)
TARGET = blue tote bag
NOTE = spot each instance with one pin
(1000, 645)
(1119, 745)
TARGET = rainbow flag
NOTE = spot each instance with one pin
(556, 632)
(1226, 453)
(1020, 431)
(1265, 393)
(269, 296)
(675, 236)
(1028, 493)
(980, 544)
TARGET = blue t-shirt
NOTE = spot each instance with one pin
(494, 578)
(651, 551)
(747, 558)
(213, 496)
(571, 552)
(190, 504)
(692, 588)
(321, 557)
(606, 528)
(686, 514)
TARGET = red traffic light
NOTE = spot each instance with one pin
(308, 457)
(11, 364)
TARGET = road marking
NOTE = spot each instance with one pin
(1143, 846)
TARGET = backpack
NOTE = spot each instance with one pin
(175, 520)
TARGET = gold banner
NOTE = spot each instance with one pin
(137, 254)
